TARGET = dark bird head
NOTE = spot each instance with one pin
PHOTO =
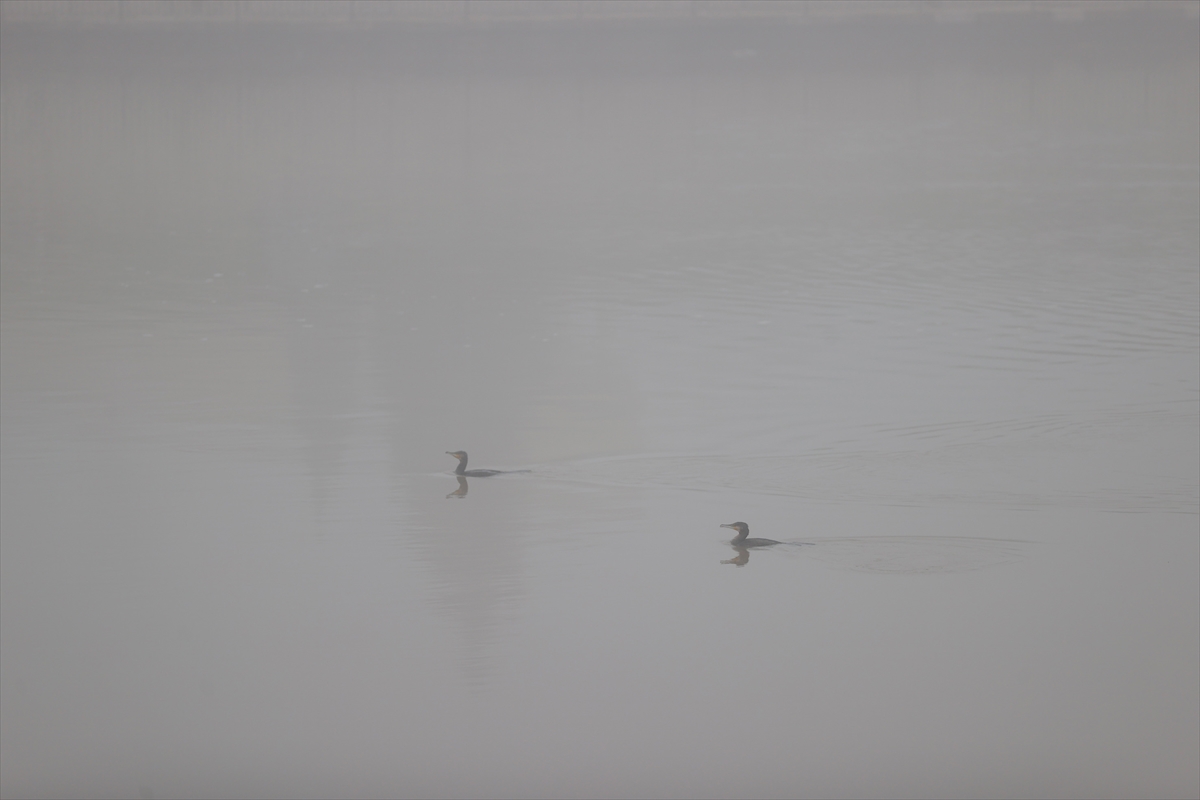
(459, 454)
(740, 527)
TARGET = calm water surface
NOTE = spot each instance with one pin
(923, 298)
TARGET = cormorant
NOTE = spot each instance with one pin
(461, 455)
(743, 531)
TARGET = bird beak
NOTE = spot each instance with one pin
(726, 526)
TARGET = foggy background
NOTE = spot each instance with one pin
(914, 284)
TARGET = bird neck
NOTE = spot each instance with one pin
(742, 533)
(462, 466)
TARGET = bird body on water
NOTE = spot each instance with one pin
(461, 455)
(743, 531)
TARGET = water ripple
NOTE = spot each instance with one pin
(1106, 462)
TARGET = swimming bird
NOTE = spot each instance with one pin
(743, 531)
(461, 455)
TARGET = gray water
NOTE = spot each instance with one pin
(918, 299)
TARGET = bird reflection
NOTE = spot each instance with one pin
(461, 491)
(741, 559)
